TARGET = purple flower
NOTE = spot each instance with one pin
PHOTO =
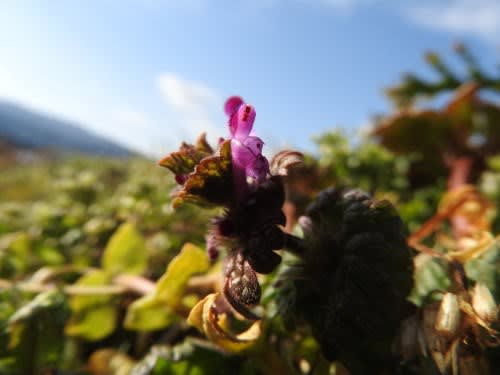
(246, 149)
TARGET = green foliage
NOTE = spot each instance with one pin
(412, 87)
(431, 275)
(187, 359)
(366, 165)
(35, 332)
(93, 221)
(96, 267)
(93, 316)
(64, 219)
(486, 269)
(125, 251)
(157, 310)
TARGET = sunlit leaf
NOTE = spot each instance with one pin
(486, 270)
(430, 276)
(191, 260)
(156, 310)
(184, 161)
(15, 249)
(94, 323)
(125, 251)
(149, 313)
(93, 316)
(211, 182)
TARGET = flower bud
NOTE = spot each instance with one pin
(448, 317)
(484, 304)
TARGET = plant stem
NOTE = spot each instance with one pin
(120, 285)
(461, 170)
(460, 175)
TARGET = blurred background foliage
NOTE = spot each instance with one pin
(87, 281)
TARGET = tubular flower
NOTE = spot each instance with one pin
(246, 149)
(238, 177)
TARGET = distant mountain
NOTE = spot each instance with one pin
(29, 129)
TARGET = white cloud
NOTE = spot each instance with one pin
(5, 79)
(476, 17)
(12, 89)
(100, 114)
(194, 105)
(133, 119)
(140, 131)
(193, 108)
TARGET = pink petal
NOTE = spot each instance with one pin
(233, 124)
(254, 144)
(232, 104)
(241, 155)
(258, 169)
(241, 121)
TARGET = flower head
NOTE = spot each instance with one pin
(238, 177)
(246, 149)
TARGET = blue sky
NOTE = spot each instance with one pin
(150, 73)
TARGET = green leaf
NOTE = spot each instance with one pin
(156, 310)
(93, 316)
(94, 323)
(186, 359)
(36, 335)
(430, 275)
(125, 251)
(191, 260)
(15, 254)
(486, 269)
(149, 313)
(50, 256)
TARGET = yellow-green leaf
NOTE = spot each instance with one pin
(191, 260)
(156, 310)
(92, 316)
(148, 313)
(125, 251)
(90, 279)
(94, 323)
